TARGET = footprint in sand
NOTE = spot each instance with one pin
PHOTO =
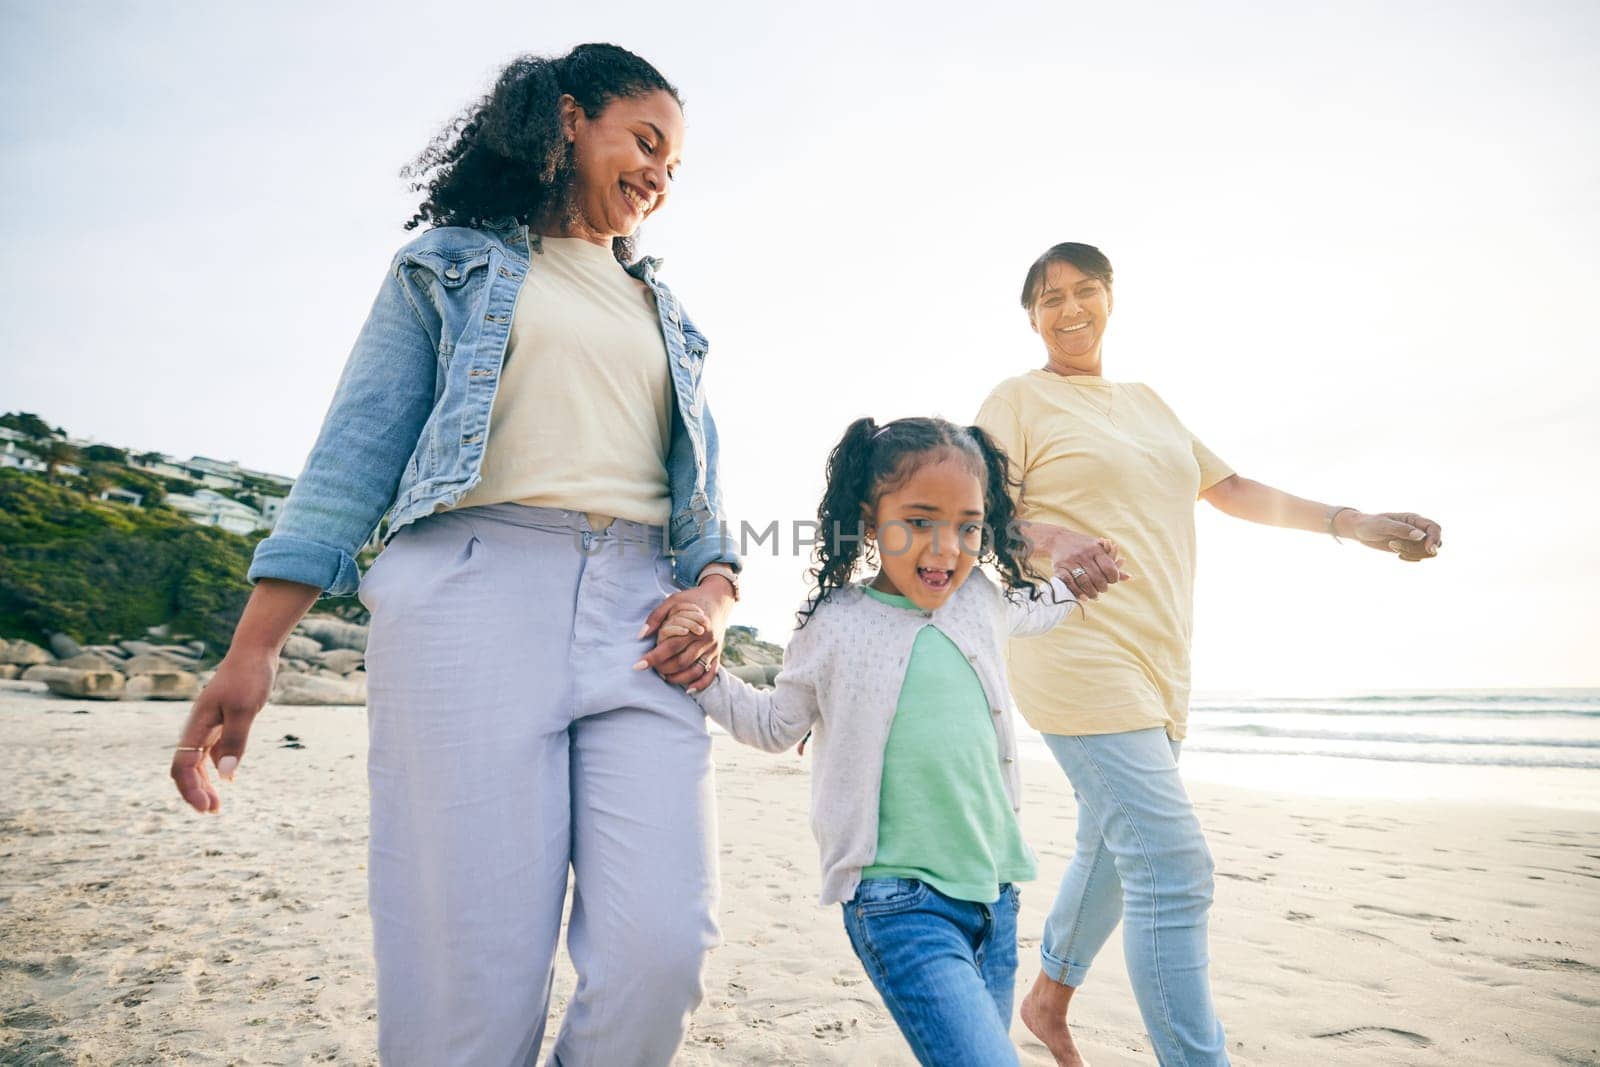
(1421, 916)
(1385, 1036)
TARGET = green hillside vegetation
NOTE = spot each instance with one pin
(96, 571)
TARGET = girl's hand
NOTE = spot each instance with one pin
(1405, 533)
(690, 659)
(219, 724)
(685, 620)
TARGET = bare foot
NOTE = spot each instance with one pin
(1044, 1013)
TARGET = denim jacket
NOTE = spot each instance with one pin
(406, 432)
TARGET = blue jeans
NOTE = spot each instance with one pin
(946, 969)
(1141, 858)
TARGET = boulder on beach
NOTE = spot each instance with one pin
(339, 660)
(153, 663)
(41, 672)
(64, 647)
(136, 648)
(23, 653)
(86, 685)
(299, 646)
(90, 661)
(109, 651)
(315, 689)
(331, 632)
(9, 671)
(163, 685)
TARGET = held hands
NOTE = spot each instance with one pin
(1088, 565)
(1404, 533)
(219, 724)
(689, 626)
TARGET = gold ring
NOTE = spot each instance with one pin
(191, 748)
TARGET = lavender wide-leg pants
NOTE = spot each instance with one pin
(511, 741)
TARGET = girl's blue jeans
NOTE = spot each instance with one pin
(945, 968)
(1140, 858)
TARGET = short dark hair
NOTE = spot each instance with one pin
(1086, 258)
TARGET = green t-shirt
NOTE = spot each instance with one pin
(943, 815)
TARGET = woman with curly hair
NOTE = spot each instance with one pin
(524, 410)
(1103, 459)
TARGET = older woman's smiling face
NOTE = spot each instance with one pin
(1070, 313)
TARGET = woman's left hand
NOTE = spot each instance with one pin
(1405, 533)
(689, 659)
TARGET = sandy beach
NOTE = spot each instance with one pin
(1344, 932)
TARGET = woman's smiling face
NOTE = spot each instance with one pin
(625, 160)
(1070, 313)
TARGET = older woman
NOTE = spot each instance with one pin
(524, 405)
(1101, 459)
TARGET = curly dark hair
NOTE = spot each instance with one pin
(871, 460)
(504, 156)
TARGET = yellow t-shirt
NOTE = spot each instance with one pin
(583, 415)
(1108, 459)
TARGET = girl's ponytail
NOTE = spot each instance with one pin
(1002, 534)
(840, 515)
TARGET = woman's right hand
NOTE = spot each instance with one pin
(219, 725)
(1073, 552)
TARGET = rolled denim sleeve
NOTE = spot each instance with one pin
(367, 437)
(713, 542)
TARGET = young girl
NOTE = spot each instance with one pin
(900, 681)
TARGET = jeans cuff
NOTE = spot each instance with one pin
(1060, 971)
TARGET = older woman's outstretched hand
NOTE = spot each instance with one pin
(1405, 533)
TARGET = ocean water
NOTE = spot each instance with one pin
(1538, 747)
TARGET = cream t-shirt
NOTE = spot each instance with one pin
(582, 418)
(1111, 460)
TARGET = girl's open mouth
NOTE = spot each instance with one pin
(935, 579)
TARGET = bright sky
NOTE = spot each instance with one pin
(1355, 250)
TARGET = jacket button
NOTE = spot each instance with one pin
(452, 273)
(1007, 759)
(994, 711)
(683, 361)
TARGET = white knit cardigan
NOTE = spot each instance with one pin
(841, 680)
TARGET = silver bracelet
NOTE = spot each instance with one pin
(1333, 515)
